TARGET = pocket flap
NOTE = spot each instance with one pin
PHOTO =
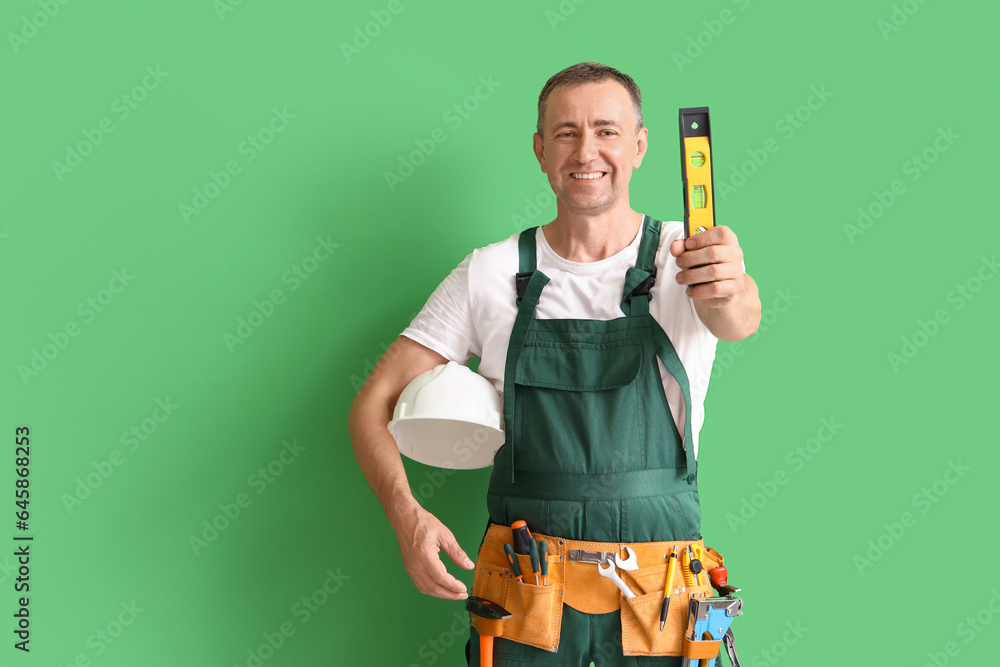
(579, 366)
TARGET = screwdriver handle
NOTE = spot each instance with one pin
(522, 537)
(543, 552)
(512, 560)
(533, 552)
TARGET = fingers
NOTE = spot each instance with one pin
(719, 291)
(451, 547)
(420, 545)
(718, 235)
(709, 273)
(710, 254)
(429, 586)
(711, 264)
(439, 582)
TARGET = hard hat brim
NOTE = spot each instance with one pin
(446, 443)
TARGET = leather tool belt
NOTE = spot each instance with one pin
(574, 579)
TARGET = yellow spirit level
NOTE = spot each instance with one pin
(696, 170)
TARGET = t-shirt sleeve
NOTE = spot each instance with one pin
(445, 324)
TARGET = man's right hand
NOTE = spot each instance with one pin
(421, 538)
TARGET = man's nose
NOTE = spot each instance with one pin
(586, 149)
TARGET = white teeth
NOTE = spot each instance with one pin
(596, 174)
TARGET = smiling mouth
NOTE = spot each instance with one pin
(591, 176)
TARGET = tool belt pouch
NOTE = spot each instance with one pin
(536, 610)
(641, 634)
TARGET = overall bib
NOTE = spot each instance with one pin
(592, 451)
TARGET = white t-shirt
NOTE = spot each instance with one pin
(471, 313)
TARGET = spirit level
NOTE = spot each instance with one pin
(696, 170)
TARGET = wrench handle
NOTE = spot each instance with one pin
(625, 589)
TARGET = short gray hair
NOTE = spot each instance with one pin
(590, 73)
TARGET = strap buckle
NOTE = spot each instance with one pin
(521, 284)
(642, 289)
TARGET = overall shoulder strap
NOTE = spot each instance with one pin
(528, 283)
(526, 261)
(638, 282)
(668, 355)
(640, 278)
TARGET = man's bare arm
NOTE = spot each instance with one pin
(735, 320)
(420, 535)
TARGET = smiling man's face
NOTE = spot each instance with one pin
(590, 146)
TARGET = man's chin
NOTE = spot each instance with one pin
(589, 205)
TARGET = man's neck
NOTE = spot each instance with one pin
(591, 238)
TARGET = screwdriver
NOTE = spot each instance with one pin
(533, 549)
(512, 560)
(522, 537)
(543, 549)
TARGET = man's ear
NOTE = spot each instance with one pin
(539, 151)
(642, 145)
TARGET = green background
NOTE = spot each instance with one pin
(836, 303)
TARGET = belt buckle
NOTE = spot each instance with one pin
(584, 556)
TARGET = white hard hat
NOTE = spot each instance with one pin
(449, 417)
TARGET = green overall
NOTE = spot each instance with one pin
(592, 451)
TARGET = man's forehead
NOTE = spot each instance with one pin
(605, 100)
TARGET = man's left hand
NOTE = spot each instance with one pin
(725, 298)
(711, 265)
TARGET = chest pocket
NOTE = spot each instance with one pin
(577, 407)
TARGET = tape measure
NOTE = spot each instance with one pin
(696, 170)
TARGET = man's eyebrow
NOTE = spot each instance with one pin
(597, 123)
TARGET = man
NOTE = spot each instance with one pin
(605, 452)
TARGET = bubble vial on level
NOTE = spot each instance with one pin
(698, 196)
